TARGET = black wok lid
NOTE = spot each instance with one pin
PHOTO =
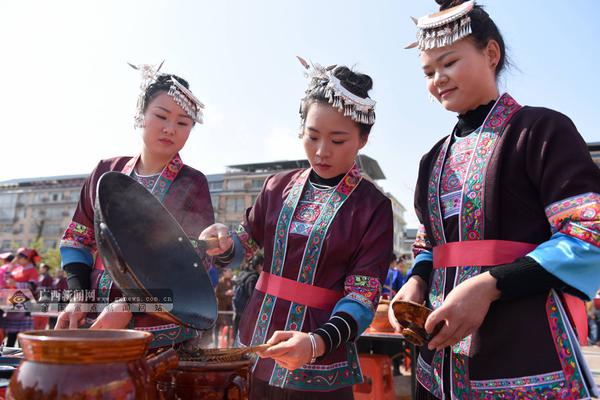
(144, 248)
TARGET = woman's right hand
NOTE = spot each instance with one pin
(221, 232)
(413, 290)
(70, 318)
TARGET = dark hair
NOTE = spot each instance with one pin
(161, 84)
(357, 83)
(483, 29)
(257, 260)
(9, 258)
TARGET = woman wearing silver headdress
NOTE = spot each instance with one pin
(509, 204)
(327, 234)
(166, 113)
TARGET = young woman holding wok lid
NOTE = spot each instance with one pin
(167, 112)
(510, 239)
(327, 240)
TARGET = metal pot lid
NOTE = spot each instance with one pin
(145, 250)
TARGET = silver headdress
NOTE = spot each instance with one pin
(361, 110)
(443, 28)
(180, 94)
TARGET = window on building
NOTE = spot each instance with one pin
(6, 245)
(235, 184)
(257, 183)
(235, 205)
(218, 185)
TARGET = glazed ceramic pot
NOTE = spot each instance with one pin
(381, 322)
(88, 364)
(222, 380)
(412, 316)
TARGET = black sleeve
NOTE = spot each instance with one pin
(341, 328)
(79, 276)
(525, 277)
(422, 269)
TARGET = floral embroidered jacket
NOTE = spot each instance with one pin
(529, 179)
(340, 239)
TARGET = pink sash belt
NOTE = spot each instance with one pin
(490, 253)
(297, 292)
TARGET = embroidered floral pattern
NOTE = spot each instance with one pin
(312, 251)
(309, 209)
(551, 377)
(454, 173)
(433, 196)
(577, 216)
(79, 236)
(366, 286)
(424, 374)
(250, 246)
(471, 223)
(326, 377)
(575, 387)
(460, 377)
(168, 335)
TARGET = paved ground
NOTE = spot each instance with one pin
(592, 355)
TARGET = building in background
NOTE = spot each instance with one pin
(595, 152)
(41, 208)
(37, 209)
(240, 185)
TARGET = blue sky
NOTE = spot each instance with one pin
(69, 97)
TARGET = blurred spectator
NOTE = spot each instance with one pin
(6, 266)
(44, 279)
(60, 281)
(245, 284)
(394, 280)
(25, 276)
(224, 292)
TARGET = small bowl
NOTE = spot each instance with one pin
(412, 316)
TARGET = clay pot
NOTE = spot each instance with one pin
(381, 322)
(412, 316)
(227, 380)
(88, 364)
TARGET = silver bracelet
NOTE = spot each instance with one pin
(313, 345)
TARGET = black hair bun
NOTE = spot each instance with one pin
(445, 4)
(355, 82)
(165, 79)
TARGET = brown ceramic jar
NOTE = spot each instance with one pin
(88, 364)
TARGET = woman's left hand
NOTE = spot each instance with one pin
(463, 310)
(291, 349)
(117, 318)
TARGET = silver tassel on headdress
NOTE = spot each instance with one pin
(361, 110)
(182, 96)
(443, 28)
(149, 73)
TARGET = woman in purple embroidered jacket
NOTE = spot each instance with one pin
(167, 112)
(510, 209)
(327, 234)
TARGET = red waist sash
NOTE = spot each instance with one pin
(490, 253)
(479, 253)
(297, 292)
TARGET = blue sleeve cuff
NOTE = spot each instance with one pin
(238, 254)
(423, 256)
(355, 305)
(70, 255)
(574, 261)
